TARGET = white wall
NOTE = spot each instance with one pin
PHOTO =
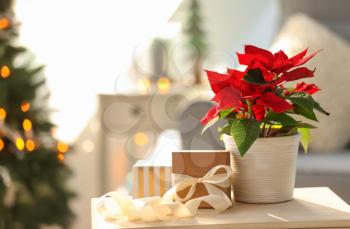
(230, 24)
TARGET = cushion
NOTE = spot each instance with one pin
(332, 76)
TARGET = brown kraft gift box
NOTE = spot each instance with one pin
(197, 163)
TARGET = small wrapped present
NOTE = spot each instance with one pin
(150, 180)
(196, 164)
(152, 176)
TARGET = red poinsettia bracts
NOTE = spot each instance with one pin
(231, 88)
(257, 96)
(307, 88)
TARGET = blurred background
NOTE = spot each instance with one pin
(127, 81)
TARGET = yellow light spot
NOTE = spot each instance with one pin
(60, 156)
(2, 113)
(27, 124)
(25, 106)
(5, 71)
(163, 85)
(2, 144)
(30, 145)
(62, 147)
(140, 139)
(19, 143)
(4, 23)
(144, 85)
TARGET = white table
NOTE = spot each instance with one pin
(310, 208)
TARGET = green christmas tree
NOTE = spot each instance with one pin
(196, 38)
(33, 175)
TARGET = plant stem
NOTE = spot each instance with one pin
(263, 130)
(268, 131)
(249, 109)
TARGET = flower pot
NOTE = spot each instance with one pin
(266, 173)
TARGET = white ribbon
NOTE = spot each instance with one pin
(115, 206)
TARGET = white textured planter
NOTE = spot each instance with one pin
(266, 173)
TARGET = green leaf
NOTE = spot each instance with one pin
(305, 125)
(254, 76)
(209, 124)
(225, 130)
(281, 118)
(305, 137)
(304, 106)
(224, 113)
(318, 107)
(305, 101)
(245, 132)
(305, 112)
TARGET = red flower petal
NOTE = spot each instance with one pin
(250, 90)
(298, 62)
(298, 56)
(235, 73)
(251, 49)
(307, 88)
(268, 76)
(244, 59)
(228, 97)
(258, 111)
(297, 74)
(236, 77)
(218, 81)
(280, 62)
(212, 113)
(276, 103)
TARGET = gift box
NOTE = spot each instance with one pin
(152, 176)
(150, 180)
(196, 163)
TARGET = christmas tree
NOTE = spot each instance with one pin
(33, 175)
(196, 38)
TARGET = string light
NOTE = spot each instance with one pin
(60, 156)
(19, 143)
(25, 106)
(2, 144)
(140, 139)
(2, 113)
(62, 147)
(27, 124)
(4, 23)
(30, 145)
(5, 71)
(163, 85)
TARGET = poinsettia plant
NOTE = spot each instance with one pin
(256, 103)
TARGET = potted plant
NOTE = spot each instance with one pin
(262, 131)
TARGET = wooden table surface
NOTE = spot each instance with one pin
(310, 208)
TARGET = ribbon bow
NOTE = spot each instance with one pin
(211, 181)
(116, 206)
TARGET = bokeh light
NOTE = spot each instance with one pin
(4, 23)
(30, 145)
(163, 85)
(140, 139)
(27, 124)
(60, 156)
(5, 71)
(19, 143)
(25, 106)
(2, 144)
(2, 113)
(62, 147)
